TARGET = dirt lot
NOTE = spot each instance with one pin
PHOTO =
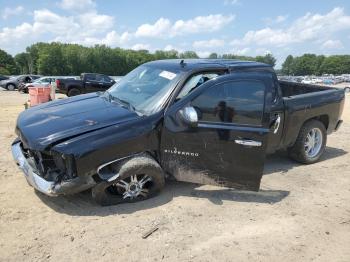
(302, 213)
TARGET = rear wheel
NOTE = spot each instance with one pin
(139, 178)
(11, 87)
(74, 92)
(310, 144)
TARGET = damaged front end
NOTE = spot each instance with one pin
(50, 172)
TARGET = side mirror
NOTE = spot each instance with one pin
(189, 116)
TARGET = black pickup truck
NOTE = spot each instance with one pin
(201, 121)
(88, 83)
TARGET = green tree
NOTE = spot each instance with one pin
(7, 64)
(51, 60)
(287, 66)
(189, 55)
(267, 59)
(213, 56)
(23, 63)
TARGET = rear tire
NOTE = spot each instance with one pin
(127, 187)
(73, 92)
(11, 87)
(301, 151)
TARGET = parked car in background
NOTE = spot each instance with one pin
(40, 82)
(88, 83)
(14, 82)
(3, 77)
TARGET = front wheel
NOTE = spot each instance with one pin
(310, 144)
(139, 178)
(11, 87)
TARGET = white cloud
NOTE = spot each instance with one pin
(159, 28)
(307, 28)
(94, 22)
(141, 47)
(232, 2)
(164, 28)
(89, 28)
(212, 43)
(9, 12)
(243, 51)
(171, 47)
(203, 54)
(77, 5)
(277, 20)
(332, 44)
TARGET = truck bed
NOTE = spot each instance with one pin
(293, 89)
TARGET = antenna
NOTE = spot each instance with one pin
(182, 62)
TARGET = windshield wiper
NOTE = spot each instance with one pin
(123, 102)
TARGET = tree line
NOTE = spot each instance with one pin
(73, 59)
(311, 64)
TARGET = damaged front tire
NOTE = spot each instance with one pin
(139, 178)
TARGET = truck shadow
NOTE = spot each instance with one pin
(280, 162)
(83, 205)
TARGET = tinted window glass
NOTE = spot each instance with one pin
(194, 82)
(240, 102)
(90, 77)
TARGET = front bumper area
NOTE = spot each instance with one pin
(49, 188)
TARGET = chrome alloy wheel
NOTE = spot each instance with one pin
(313, 142)
(133, 186)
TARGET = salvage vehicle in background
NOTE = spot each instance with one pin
(40, 82)
(89, 82)
(200, 121)
(14, 82)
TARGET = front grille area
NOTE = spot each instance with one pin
(50, 165)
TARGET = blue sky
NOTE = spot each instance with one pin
(205, 26)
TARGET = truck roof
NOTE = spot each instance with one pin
(192, 64)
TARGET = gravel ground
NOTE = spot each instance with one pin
(302, 213)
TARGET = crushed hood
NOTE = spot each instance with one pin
(46, 124)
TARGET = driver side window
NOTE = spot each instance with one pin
(193, 82)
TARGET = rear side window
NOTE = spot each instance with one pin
(240, 102)
(102, 78)
(90, 77)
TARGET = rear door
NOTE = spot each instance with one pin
(91, 85)
(227, 145)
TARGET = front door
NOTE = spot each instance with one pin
(226, 146)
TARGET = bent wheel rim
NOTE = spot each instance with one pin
(132, 187)
(313, 142)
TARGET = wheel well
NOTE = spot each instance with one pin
(324, 119)
(115, 165)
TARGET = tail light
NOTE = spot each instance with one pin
(57, 82)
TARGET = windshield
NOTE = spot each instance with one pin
(39, 80)
(145, 89)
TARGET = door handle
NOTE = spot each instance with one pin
(276, 124)
(247, 142)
